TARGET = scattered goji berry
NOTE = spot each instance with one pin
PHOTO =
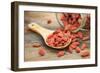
(80, 34)
(77, 50)
(60, 53)
(70, 50)
(84, 46)
(73, 46)
(42, 51)
(85, 38)
(74, 40)
(76, 43)
(84, 53)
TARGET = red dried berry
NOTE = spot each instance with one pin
(74, 40)
(85, 38)
(60, 53)
(73, 36)
(62, 17)
(73, 46)
(84, 46)
(70, 50)
(73, 28)
(80, 35)
(77, 50)
(65, 23)
(76, 24)
(67, 27)
(42, 52)
(76, 43)
(85, 53)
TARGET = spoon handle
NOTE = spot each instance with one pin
(40, 30)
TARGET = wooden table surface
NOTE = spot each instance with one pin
(31, 53)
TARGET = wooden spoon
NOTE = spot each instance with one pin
(45, 33)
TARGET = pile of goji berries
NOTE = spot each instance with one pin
(59, 38)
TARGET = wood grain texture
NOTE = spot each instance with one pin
(31, 53)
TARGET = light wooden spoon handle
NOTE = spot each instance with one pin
(37, 28)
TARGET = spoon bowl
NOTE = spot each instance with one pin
(45, 33)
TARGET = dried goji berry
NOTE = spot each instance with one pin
(70, 50)
(84, 46)
(80, 34)
(74, 40)
(85, 38)
(77, 50)
(65, 23)
(42, 51)
(76, 43)
(73, 28)
(85, 53)
(73, 46)
(60, 53)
